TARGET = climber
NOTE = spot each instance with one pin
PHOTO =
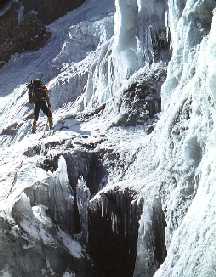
(38, 94)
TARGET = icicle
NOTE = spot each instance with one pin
(102, 208)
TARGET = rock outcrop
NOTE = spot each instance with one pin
(23, 24)
(141, 101)
(50, 10)
(29, 34)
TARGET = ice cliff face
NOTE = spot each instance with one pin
(125, 185)
(191, 131)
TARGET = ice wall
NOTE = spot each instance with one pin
(187, 142)
(140, 38)
(137, 25)
(181, 173)
(190, 23)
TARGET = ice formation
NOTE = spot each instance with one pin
(60, 190)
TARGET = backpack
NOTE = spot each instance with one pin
(31, 94)
(37, 92)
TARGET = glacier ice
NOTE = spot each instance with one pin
(91, 59)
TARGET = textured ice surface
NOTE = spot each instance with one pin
(172, 169)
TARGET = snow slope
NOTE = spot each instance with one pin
(64, 63)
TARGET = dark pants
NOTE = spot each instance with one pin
(41, 106)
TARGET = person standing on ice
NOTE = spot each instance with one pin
(38, 95)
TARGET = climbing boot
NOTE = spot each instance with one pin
(50, 121)
(34, 127)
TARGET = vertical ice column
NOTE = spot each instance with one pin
(139, 28)
(152, 20)
(20, 13)
(125, 39)
(175, 12)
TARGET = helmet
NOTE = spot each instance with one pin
(37, 82)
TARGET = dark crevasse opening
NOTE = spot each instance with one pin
(113, 231)
(158, 234)
(160, 251)
(108, 223)
(89, 166)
